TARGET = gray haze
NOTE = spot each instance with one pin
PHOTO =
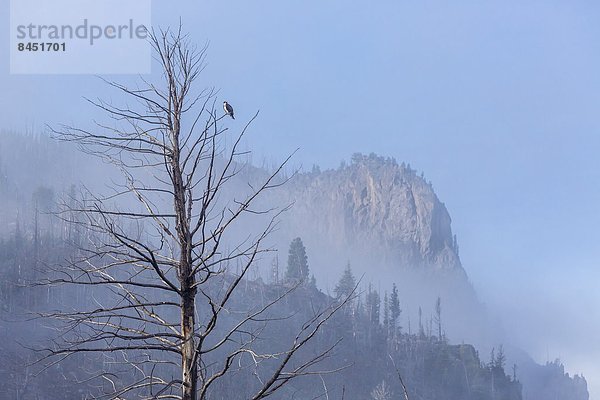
(496, 103)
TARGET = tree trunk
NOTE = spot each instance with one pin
(189, 367)
(188, 313)
(183, 210)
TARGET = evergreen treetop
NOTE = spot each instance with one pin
(346, 284)
(297, 266)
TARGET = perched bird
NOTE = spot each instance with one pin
(228, 109)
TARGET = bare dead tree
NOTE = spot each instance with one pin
(160, 273)
(404, 389)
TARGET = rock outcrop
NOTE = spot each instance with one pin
(383, 212)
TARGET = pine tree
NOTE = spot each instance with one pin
(492, 362)
(297, 267)
(386, 315)
(500, 360)
(394, 309)
(346, 284)
(438, 316)
(421, 330)
(373, 305)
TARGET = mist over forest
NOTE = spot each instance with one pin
(372, 229)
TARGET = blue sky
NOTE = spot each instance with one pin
(497, 102)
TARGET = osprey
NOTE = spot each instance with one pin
(228, 109)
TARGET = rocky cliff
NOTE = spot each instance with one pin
(376, 208)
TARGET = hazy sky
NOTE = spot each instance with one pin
(497, 102)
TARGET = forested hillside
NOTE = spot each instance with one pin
(372, 354)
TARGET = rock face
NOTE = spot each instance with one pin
(377, 210)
